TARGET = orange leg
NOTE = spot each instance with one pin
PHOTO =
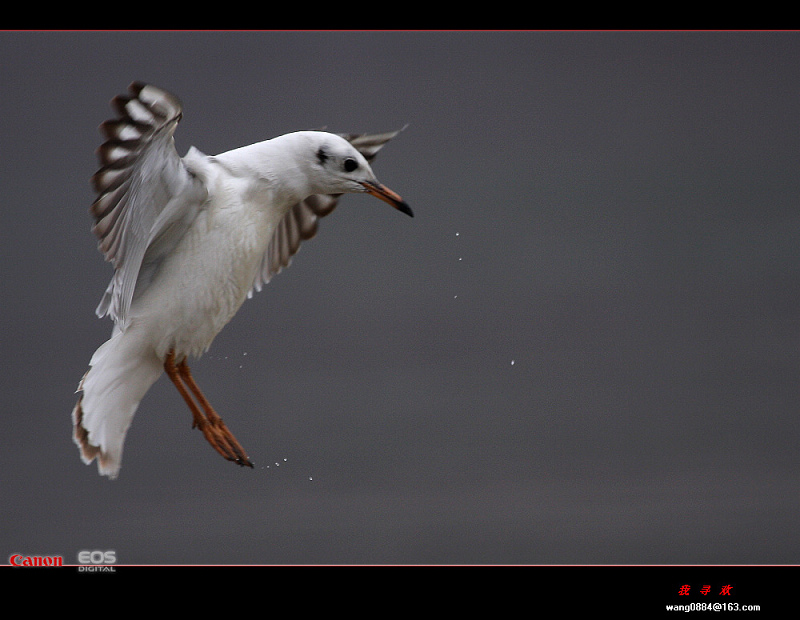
(211, 425)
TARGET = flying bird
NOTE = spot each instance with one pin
(190, 238)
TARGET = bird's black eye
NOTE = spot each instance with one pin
(350, 164)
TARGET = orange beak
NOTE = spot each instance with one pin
(387, 195)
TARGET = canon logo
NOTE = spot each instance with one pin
(37, 560)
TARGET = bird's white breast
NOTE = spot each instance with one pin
(207, 277)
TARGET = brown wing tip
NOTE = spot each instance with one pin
(81, 435)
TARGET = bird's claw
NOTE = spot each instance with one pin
(223, 441)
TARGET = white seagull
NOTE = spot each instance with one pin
(190, 239)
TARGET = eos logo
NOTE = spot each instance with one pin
(97, 560)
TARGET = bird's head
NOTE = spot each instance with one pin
(336, 167)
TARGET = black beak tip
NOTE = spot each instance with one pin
(402, 206)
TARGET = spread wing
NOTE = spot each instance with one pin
(146, 195)
(300, 223)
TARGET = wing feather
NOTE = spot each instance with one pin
(143, 188)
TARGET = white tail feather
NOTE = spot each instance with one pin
(121, 371)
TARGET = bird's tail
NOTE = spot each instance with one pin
(120, 373)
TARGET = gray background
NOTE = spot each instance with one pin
(583, 349)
